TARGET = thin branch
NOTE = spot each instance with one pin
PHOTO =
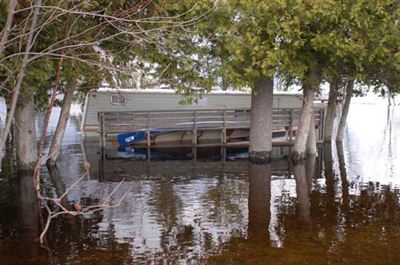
(51, 214)
(7, 27)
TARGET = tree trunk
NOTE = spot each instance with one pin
(25, 132)
(52, 100)
(345, 111)
(260, 146)
(311, 147)
(299, 148)
(7, 27)
(331, 110)
(61, 125)
(310, 171)
(20, 77)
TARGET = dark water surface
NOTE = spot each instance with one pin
(341, 208)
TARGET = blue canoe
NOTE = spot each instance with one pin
(129, 138)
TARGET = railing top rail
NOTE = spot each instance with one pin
(197, 111)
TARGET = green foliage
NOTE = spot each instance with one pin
(100, 42)
(194, 46)
(240, 41)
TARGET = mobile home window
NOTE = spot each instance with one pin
(118, 99)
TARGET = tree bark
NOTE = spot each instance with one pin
(7, 27)
(299, 148)
(61, 125)
(20, 77)
(260, 146)
(331, 110)
(345, 111)
(311, 147)
(25, 131)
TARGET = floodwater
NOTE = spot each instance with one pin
(341, 208)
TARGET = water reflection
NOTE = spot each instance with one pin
(27, 216)
(303, 174)
(259, 202)
(335, 208)
(343, 177)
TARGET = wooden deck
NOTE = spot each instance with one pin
(200, 120)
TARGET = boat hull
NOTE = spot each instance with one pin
(162, 137)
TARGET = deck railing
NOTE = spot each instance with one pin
(195, 120)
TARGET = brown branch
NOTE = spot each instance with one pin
(7, 27)
(51, 214)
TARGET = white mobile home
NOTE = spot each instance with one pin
(162, 99)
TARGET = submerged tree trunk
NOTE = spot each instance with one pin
(345, 110)
(25, 131)
(299, 148)
(331, 110)
(311, 147)
(61, 125)
(260, 146)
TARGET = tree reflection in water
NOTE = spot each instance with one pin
(259, 202)
(27, 216)
(216, 215)
(303, 174)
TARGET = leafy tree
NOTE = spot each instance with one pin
(98, 46)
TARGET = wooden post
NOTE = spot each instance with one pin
(102, 135)
(223, 153)
(194, 138)
(290, 125)
(101, 130)
(148, 154)
(223, 135)
(148, 130)
(224, 129)
(194, 154)
(321, 123)
(102, 160)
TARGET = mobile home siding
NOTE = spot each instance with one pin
(155, 101)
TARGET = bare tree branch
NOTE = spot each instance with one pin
(61, 209)
(7, 27)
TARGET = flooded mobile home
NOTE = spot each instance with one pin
(158, 118)
(113, 100)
